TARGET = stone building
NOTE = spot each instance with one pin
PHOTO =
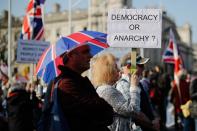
(15, 33)
(194, 46)
(57, 23)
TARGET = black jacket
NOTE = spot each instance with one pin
(193, 89)
(20, 111)
(145, 106)
(83, 108)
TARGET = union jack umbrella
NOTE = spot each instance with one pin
(50, 59)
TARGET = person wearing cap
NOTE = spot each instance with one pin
(126, 73)
(81, 105)
(123, 86)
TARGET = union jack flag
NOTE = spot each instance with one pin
(32, 28)
(168, 56)
(171, 55)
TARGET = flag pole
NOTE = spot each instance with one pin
(9, 40)
(142, 52)
(69, 16)
(89, 15)
(133, 60)
(42, 6)
(104, 13)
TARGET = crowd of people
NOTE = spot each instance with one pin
(111, 99)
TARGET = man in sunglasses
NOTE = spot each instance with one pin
(145, 104)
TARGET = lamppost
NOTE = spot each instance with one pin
(9, 40)
(70, 6)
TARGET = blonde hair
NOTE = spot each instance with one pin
(103, 70)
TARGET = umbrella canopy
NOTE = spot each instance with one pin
(48, 62)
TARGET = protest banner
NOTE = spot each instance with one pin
(136, 28)
(29, 51)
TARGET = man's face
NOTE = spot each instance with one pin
(82, 57)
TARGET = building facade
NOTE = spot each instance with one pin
(15, 33)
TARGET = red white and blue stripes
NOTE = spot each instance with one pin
(33, 28)
(171, 55)
(47, 65)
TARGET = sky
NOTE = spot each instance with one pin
(181, 11)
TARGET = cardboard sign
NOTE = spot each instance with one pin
(137, 28)
(29, 51)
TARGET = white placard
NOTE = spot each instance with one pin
(137, 28)
(29, 51)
